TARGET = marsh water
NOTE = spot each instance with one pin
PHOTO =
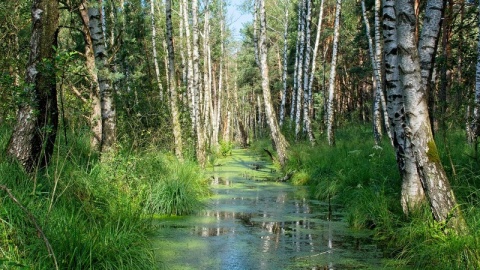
(254, 222)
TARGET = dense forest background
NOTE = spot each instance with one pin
(115, 92)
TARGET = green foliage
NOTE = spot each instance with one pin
(226, 148)
(179, 191)
(364, 179)
(94, 213)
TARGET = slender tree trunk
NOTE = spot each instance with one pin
(379, 64)
(293, 111)
(418, 131)
(106, 91)
(255, 32)
(377, 85)
(190, 80)
(307, 73)
(300, 70)
(207, 78)
(182, 45)
(315, 53)
(95, 118)
(200, 151)
(219, 95)
(284, 70)
(428, 43)
(333, 73)
(177, 131)
(154, 49)
(281, 144)
(475, 124)
(35, 131)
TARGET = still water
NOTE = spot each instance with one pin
(253, 222)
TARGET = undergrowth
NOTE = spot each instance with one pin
(95, 214)
(365, 181)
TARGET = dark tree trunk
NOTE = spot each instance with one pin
(34, 134)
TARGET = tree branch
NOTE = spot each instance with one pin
(35, 223)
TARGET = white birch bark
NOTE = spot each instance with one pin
(333, 73)
(255, 32)
(106, 90)
(284, 70)
(307, 72)
(377, 85)
(418, 131)
(429, 38)
(154, 49)
(219, 96)
(190, 80)
(297, 61)
(475, 124)
(280, 143)
(412, 194)
(207, 78)
(200, 151)
(182, 45)
(177, 131)
(34, 133)
(380, 60)
(315, 53)
(300, 70)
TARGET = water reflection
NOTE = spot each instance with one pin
(253, 224)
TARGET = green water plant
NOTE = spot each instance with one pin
(179, 191)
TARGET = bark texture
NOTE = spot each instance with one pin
(200, 153)
(475, 129)
(418, 130)
(95, 117)
(280, 143)
(106, 90)
(35, 131)
(177, 131)
(333, 73)
(412, 191)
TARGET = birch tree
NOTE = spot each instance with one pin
(475, 129)
(200, 153)
(412, 194)
(106, 90)
(299, 67)
(377, 85)
(285, 55)
(154, 49)
(280, 143)
(36, 125)
(307, 73)
(177, 131)
(315, 53)
(190, 79)
(418, 130)
(95, 117)
(333, 70)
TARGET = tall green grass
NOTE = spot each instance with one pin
(364, 180)
(95, 214)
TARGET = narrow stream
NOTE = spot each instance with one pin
(251, 223)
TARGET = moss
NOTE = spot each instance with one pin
(432, 152)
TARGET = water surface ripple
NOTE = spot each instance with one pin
(251, 223)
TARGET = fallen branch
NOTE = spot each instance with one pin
(34, 221)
